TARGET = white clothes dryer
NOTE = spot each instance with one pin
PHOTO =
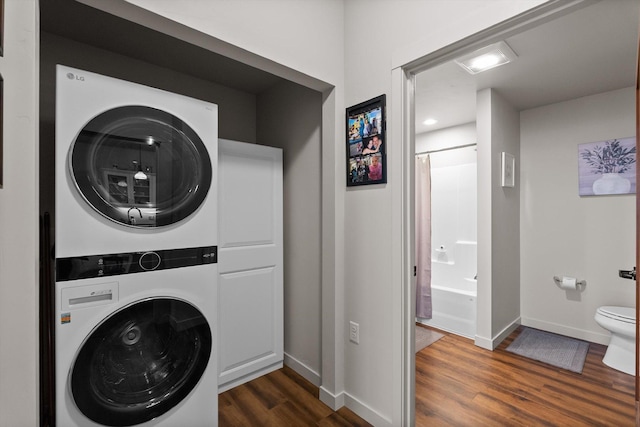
(134, 167)
(137, 349)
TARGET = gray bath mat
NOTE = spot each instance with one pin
(557, 350)
(425, 337)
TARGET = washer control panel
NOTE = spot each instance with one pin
(85, 267)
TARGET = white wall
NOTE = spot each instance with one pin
(19, 218)
(289, 117)
(590, 238)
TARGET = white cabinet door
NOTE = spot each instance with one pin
(250, 297)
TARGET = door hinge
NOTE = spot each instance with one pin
(628, 274)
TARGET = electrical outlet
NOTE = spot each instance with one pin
(354, 332)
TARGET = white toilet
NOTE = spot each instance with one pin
(621, 322)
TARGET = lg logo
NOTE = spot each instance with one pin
(72, 76)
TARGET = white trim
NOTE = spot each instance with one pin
(333, 401)
(332, 305)
(366, 412)
(502, 335)
(492, 343)
(403, 244)
(567, 331)
(306, 372)
(246, 378)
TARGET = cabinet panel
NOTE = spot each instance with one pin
(249, 323)
(250, 257)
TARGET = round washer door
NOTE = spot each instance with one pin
(140, 166)
(141, 362)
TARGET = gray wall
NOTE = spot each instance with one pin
(289, 117)
(564, 234)
(498, 129)
(237, 109)
(19, 262)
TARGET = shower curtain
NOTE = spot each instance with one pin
(423, 237)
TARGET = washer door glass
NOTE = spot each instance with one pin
(141, 362)
(141, 166)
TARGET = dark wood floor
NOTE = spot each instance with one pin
(457, 384)
(281, 398)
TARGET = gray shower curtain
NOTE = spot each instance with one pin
(423, 237)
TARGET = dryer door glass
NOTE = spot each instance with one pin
(140, 166)
(141, 362)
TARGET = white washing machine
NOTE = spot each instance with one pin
(134, 167)
(136, 255)
(137, 349)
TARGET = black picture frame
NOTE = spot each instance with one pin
(366, 142)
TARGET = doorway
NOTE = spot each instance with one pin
(531, 278)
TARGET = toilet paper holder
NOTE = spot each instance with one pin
(570, 283)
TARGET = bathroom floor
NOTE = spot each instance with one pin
(460, 384)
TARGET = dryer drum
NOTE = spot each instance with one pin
(141, 362)
(140, 166)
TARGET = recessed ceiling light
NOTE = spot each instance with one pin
(430, 122)
(487, 58)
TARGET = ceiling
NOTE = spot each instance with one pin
(589, 51)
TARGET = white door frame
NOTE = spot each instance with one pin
(403, 114)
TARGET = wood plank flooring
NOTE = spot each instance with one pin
(281, 398)
(457, 384)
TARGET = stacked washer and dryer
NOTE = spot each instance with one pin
(136, 255)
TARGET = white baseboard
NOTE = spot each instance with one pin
(333, 401)
(309, 374)
(483, 342)
(581, 334)
(365, 412)
(252, 376)
(506, 332)
(492, 343)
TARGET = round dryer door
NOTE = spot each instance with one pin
(140, 362)
(140, 166)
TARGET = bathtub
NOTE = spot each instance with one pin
(454, 310)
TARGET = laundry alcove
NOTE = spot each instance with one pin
(254, 106)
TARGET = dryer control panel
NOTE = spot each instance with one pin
(91, 266)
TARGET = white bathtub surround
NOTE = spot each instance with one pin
(454, 310)
(454, 241)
